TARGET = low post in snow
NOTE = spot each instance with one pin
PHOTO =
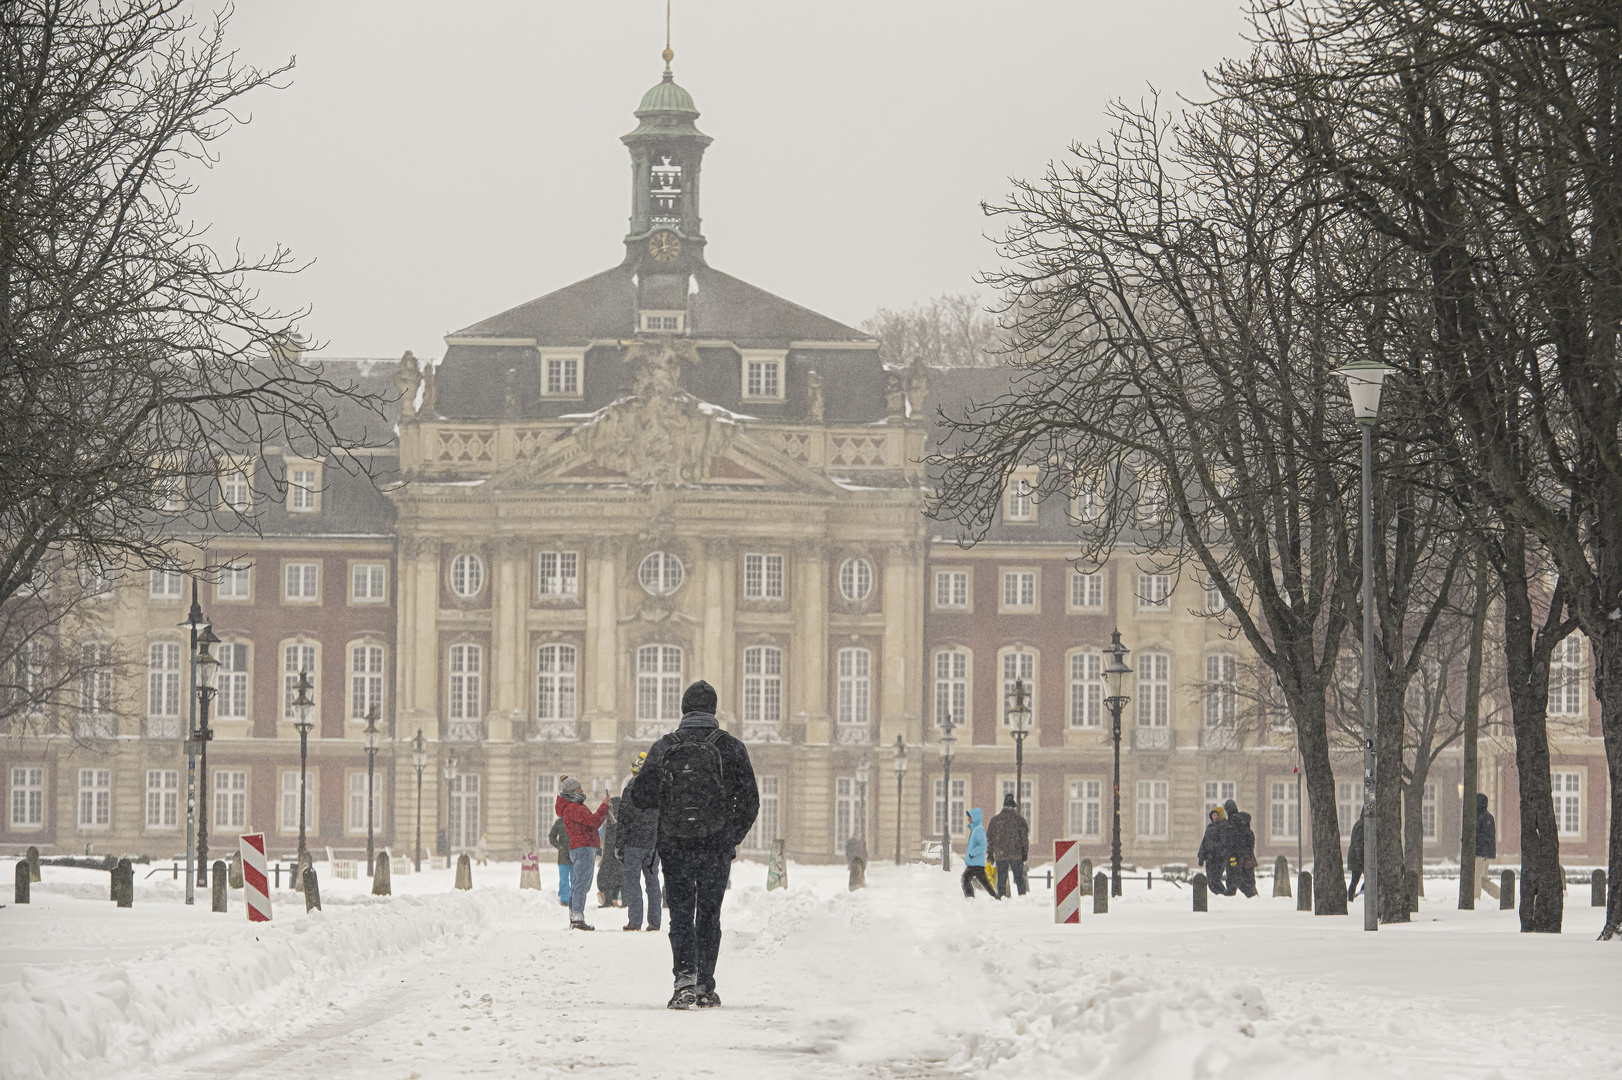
(381, 868)
(1596, 885)
(220, 883)
(23, 882)
(33, 863)
(312, 890)
(1281, 877)
(464, 871)
(1506, 891)
(777, 866)
(1066, 881)
(234, 875)
(1200, 891)
(529, 871)
(124, 883)
(1100, 894)
(255, 879)
(1085, 877)
(1303, 888)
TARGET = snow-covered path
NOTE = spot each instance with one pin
(904, 979)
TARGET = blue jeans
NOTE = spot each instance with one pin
(585, 862)
(641, 863)
(565, 872)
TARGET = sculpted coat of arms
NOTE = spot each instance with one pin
(660, 434)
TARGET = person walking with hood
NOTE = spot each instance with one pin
(1008, 840)
(974, 859)
(610, 871)
(1486, 847)
(582, 826)
(1242, 857)
(637, 838)
(1213, 853)
(701, 782)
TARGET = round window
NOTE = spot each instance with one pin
(855, 579)
(467, 575)
(660, 573)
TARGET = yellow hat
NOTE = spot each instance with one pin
(636, 766)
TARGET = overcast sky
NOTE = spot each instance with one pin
(443, 162)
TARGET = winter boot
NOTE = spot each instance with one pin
(631, 929)
(581, 925)
(709, 999)
(685, 997)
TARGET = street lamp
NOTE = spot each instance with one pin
(303, 705)
(1018, 710)
(419, 758)
(900, 775)
(372, 735)
(194, 622)
(1364, 378)
(947, 741)
(208, 672)
(1115, 673)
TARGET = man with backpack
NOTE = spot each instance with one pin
(700, 781)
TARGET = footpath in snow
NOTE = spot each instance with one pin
(903, 979)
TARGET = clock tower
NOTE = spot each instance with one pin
(665, 241)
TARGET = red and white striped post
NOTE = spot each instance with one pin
(1067, 881)
(255, 881)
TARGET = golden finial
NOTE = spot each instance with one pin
(668, 54)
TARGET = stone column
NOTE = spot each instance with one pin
(892, 685)
(509, 603)
(419, 634)
(714, 658)
(810, 641)
(600, 671)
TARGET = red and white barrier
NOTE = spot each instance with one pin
(255, 880)
(1067, 881)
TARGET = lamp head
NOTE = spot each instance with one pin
(450, 766)
(303, 703)
(1018, 706)
(419, 750)
(372, 734)
(1116, 671)
(1364, 378)
(208, 668)
(900, 755)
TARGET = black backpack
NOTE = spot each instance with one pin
(693, 796)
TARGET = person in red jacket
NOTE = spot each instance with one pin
(582, 826)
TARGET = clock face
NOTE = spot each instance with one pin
(664, 246)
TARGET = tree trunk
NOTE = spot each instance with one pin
(1389, 728)
(1413, 812)
(1608, 691)
(1472, 723)
(1329, 873)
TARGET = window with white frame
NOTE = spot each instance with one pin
(1018, 666)
(1019, 499)
(1154, 689)
(174, 493)
(1019, 590)
(96, 684)
(231, 688)
(1087, 498)
(951, 687)
(1214, 600)
(848, 811)
(231, 800)
(562, 377)
(30, 692)
(658, 683)
(546, 801)
(1154, 592)
(768, 822)
(1427, 813)
(1566, 677)
(303, 487)
(235, 490)
(96, 578)
(1086, 591)
(289, 802)
(234, 582)
(467, 575)
(960, 801)
(368, 583)
(763, 577)
(1221, 690)
(763, 684)
(1218, 792)
(463, 795)
(555, 682)
(1087, 690)
(762, 375)
(855, 667)
(1568, 801)
(365, 680)
(27, 797)
(163, 681)
(95, 798)
(1026, 800)
(1151, 504)
(357, 802)
(660, 573)
(1284, 810)
(951, 588)
(558, 574)
(855, 579)
(665, 322)
(464, 686)
(1154, 809)
(165, 584)
(301, 580)
(296, 658)
(162, 799)
(1348, 804)
(1086, 808)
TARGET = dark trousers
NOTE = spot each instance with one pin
(1351, 890)
(972, 874)
(1009, 869)
(1213, 879)
(1241, 879)
(695, 885)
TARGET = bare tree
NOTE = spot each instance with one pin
(954, 330)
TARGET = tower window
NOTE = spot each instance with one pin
(665, 322)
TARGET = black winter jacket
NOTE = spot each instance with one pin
(1214, 844)
(638, 828)
(1486, 830)
(559, 838)
(737, 775)
(1008, 837)
(1354, 851)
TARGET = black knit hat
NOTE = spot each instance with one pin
(1008, 799)
(700, 698)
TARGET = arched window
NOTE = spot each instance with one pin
(466, 668)
(762, 684)
(658, 683)
(467, 575)
(163, 682)
(660, 573)
(951, 686)
(365, 680)
(555, 686)
(231, 702)
(1221, 690)
(855, 680)
(855, 579)
(300, 656)
(1086, 690)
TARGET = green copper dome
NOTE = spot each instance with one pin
(667, 97)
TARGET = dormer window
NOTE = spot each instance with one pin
(560, 375)
(763, 374)
(664, 322)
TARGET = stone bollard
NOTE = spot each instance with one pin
(1303, 891)
(1506, 891)
(1412, 879)
(1100, 894)
(312, 890)
(234, 875)
(1596, 885)
(777, 866)
(220, 882)
(295, 877)
(1200, 890)
(1281, 877)
(464, 871)
(1084, 878)
(381, 869)
(23, 881)
(124, 883)
(33, 863)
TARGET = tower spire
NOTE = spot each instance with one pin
(668, 54)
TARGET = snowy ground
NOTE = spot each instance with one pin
(904, 979)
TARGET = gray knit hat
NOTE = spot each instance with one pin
(569, 784)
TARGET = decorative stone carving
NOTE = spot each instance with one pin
(763, 732)
(855, 735)
(430, 391)
(466, 447)
(795, 444)
(512, 405)
(895, 399)
(857, 451)
(555, 731)
(407, 379)
(816, 406)
(917, 389)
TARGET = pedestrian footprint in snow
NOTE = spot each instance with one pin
(581, 825)
(974, 859)
(701, 782)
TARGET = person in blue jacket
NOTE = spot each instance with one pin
(974, 859)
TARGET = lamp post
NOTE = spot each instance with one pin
(1018, 711)
(372, 735)
(450, 825)
(208, 671)
(900, 775)
(419, 759)
(947, 741)
(1115, 673)
(303, 704)
(194, 622)
(1363, 381)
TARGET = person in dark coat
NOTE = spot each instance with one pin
(1008, 837)
(697, 842)
(1242, 856)
(1213, 853)
(1354, 857)
(611, 872)
(637, 837)
(1486, 847)
(559, 838)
